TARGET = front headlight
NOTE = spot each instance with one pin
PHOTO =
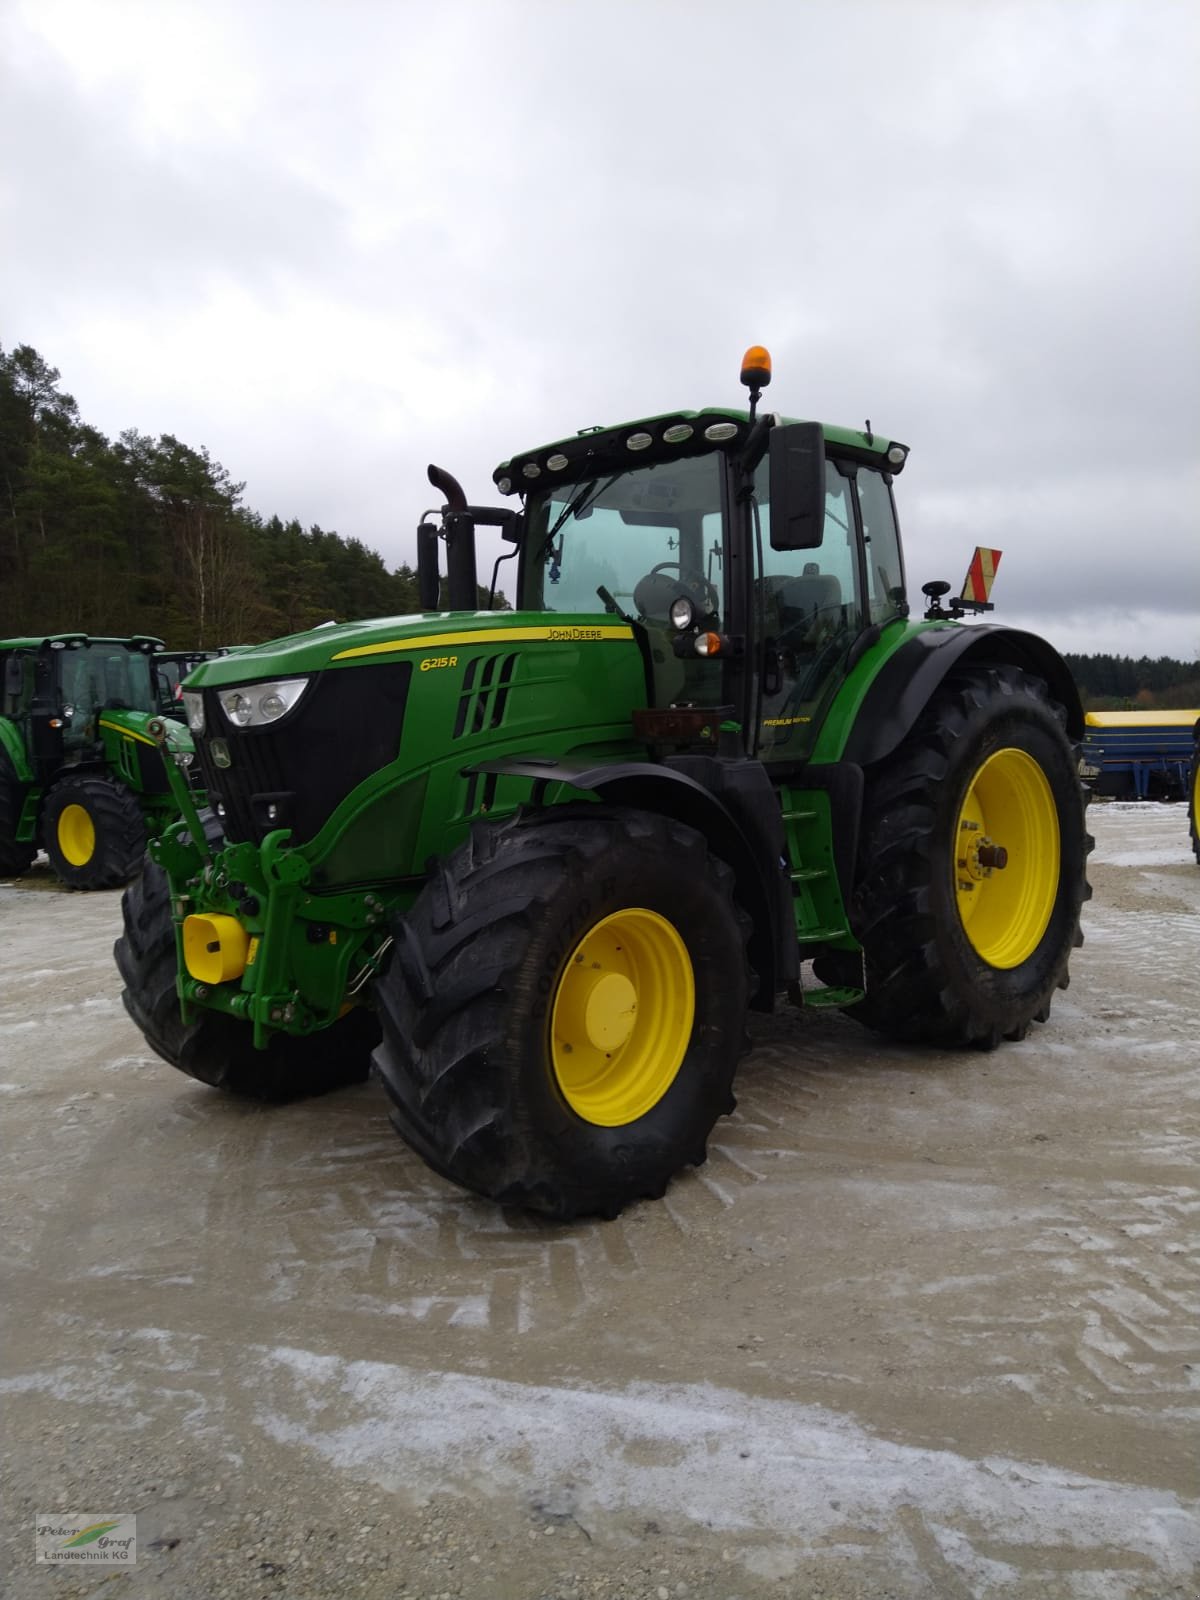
(193, 705)
(255, 704)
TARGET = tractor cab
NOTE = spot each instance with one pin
(56, 689)
(755, 560)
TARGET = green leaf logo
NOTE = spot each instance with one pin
(86, 1535)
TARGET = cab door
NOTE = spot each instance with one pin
(808, 610)
(810, 606)
(46, 714)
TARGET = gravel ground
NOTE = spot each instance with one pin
(924, 1325)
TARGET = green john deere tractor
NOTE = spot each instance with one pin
(538, 864)
(80, 777)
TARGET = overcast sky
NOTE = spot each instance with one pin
(332, 242)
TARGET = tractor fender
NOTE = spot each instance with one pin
(741, 824)
(907, 680)
(13, 746)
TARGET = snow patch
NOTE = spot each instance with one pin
(702, 1455)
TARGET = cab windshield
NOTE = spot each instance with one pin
(628, 542)
(107, 676)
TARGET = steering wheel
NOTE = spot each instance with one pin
(695, 586)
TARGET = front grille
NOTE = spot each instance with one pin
(294, 773)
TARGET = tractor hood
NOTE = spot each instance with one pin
(355, 643)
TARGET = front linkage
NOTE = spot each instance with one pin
(302, 959)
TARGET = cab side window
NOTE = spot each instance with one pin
(811, 596)
(881, 540)
(810, 609)
(10, 684)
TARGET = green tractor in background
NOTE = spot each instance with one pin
(80, 776)
(170, 667)
(537, 865)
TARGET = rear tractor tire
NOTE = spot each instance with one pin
(15, 858)
(1194, 800)
(564, 1009)
(972, 866)
(215, 1049)
(93, 832)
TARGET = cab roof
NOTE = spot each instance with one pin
(74, 641)
(661, 438)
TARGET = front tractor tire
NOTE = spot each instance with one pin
(564, 1009)
(215, 1049)
(15, 858)
(972, 866)
(93, 832)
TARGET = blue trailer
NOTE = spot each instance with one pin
(1139, 755)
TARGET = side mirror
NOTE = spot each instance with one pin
(502, 517)
(797, 486)
(14, 677)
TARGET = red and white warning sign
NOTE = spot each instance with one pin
(981, 572)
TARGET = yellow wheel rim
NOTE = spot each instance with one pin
(76, 835)
(1007, 858)
(622, 1017)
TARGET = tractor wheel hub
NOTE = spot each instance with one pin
(982, 857)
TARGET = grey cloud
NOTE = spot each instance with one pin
(108, 224)
(977, 226)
